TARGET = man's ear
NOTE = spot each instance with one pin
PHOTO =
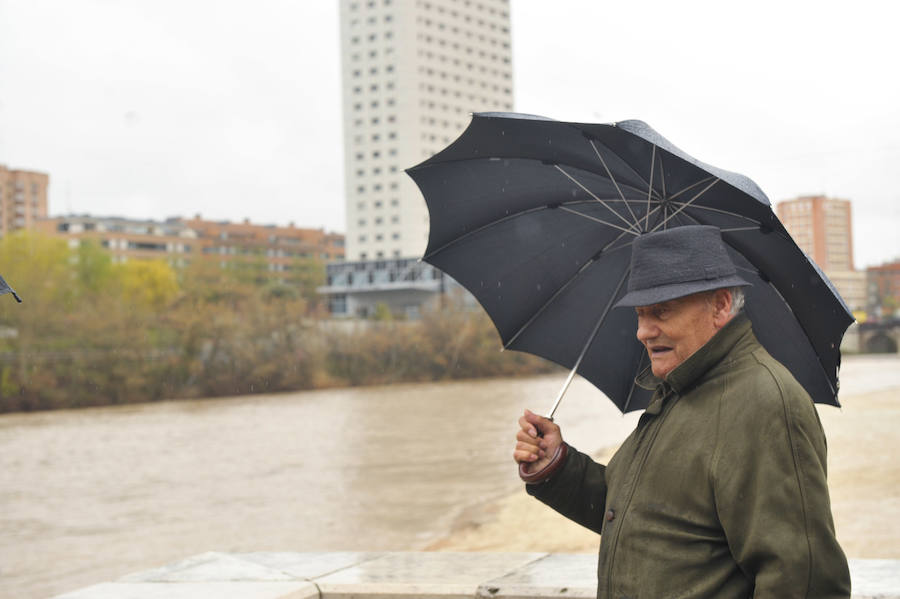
(721, 307)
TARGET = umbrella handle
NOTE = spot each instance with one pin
(556, 462)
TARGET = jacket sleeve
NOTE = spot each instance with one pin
(577, 491)
(771, 493)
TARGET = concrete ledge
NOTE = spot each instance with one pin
(436, 575)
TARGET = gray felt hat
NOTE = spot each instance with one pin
(677, 262)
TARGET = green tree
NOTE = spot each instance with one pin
(93, 266)
(147, 283)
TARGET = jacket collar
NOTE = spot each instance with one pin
(699, 363)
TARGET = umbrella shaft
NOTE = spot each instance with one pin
(561, 393)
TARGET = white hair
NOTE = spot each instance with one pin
(737, 299)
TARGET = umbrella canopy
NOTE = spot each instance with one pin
(5, 288)
(536, 217)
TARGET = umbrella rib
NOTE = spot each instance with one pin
(598, 220)
(691, 186)
(482, 228)
(662, 175)
(562, 288)
(591, 193)
(720, 211)
(640, 368)
(613, 179)
(736, 229)
(587, 345)
(636, 173)
(686, 204)
(499, 221)
(650, 189)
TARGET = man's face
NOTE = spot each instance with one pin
(673, 330)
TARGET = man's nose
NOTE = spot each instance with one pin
(645, 330)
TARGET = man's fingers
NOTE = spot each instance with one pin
(527, 427)
(528, 445)
(528, 453)
(531, 421)
(524, 437)
(532, 443)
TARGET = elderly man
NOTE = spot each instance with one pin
(720, 491)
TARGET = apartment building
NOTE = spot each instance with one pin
(413, 71)
(276, 250)
(823, 228)
(126, 238)
(23, 199)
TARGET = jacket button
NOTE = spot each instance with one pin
(610, 515)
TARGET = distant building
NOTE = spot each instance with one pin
(23, 199)
(127, 238)
(884, 289)
(279, 245)
(273, 249)
(822, 227)
(412, 74)
(405, 286)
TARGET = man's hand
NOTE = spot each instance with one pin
(532, 449)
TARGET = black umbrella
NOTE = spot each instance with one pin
(5, 288)
(535, 218)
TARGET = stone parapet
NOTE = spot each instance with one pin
(400, 575)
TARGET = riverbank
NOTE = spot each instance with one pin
(863, 478)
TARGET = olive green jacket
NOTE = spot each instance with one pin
(719, 492)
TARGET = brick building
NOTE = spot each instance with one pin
(823, 228)
(275, 250)
(23, 199)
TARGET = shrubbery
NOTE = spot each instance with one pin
(96, 333)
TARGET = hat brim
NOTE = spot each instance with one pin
(664, 293)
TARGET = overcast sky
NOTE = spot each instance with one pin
(155, 108)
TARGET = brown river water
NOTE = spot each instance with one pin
(90, 495)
